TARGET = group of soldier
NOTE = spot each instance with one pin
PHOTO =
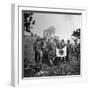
(45, 51)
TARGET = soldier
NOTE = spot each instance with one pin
(61, 50)
(68, 49)
(38, 51)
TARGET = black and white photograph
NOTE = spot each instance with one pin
(51, 43)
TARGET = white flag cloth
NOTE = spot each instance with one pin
(61, 52)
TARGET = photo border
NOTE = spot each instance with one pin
(16, 57)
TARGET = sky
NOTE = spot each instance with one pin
(64, 24)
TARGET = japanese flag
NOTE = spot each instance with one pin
(61, 52)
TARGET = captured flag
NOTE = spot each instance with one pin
(61, 52)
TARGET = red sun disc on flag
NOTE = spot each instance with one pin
(61, 52)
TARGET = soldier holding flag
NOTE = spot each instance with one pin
(61, 50)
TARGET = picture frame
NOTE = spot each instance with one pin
(17, 47)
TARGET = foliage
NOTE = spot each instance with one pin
(28, 21)
(59, 68)
(49, 32)
(76, 33)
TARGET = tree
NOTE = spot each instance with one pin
(49, 32)
(76, 48)
(28, 21)
(76, 33)
(56, 38)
